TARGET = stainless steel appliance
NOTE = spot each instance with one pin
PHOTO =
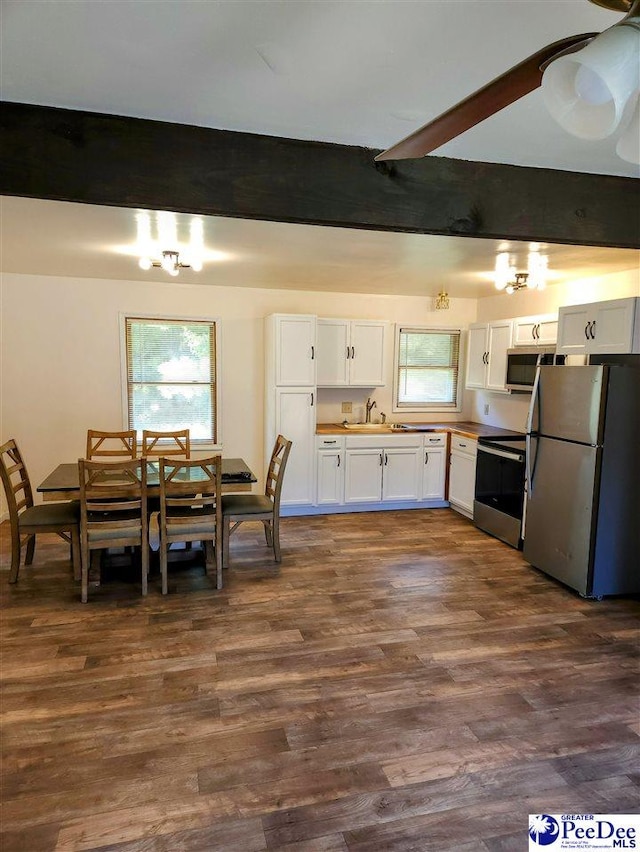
(523, 362)
(583, 478)
(499, 491)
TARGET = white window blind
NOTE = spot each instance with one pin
(427, 368)
(171, 376)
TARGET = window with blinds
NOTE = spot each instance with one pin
(171, 376)
(427, 368)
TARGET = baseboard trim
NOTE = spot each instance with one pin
(344, 509)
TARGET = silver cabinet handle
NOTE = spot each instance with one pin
(329, 442)
(386, 459)
(313, 352)
(338, 465)
(380, 459)
(348, 356)
(593, 330)
(426, 458)
(353, 353)
(312, 399)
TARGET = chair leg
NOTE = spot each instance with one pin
(268, 533)
(163, 568)
(85, 558)
(218, 555)
(76, 559)
(30, 551)
(15, 558)
(144, 564)
(275, 532)
(226, 532)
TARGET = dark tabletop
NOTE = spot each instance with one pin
(65, 476)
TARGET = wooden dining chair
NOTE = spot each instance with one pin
(113, 511)
(176, 444)
(28, 520)
(111, 445)
(237, 508)
(190, 509)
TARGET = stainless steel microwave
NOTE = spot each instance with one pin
(523, 362)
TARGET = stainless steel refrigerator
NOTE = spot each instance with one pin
(582, 520)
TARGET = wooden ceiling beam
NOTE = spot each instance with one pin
(130, 162)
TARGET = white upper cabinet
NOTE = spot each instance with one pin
(487, 355)
(604, 328)
(294, 346)
(350, 352)
(535, 331)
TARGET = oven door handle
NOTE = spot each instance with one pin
(505, 454)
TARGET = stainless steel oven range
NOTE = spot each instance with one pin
(499, 494)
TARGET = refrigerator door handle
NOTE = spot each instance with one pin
(532, 407)
(534, 399)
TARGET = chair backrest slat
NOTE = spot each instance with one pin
(191, 485)
(176, 444)
(17, 490)
(275, 472)
(113, 495)
(111, 445)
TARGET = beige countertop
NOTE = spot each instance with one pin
(463, 427)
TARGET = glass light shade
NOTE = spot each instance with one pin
(628, 147)
(145, 263)
(587, 92)
(504, 270)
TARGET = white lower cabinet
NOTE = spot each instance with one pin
(462, 474)
(330, 471)
(434, 468)
(383, 469)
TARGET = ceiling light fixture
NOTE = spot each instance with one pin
(508, 279)
(152, 252)
(593, 93)
(442, 301)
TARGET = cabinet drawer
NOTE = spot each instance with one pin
(384, 441)
(466, 446)
(437, 440)
(330, 442)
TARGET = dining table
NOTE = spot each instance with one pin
(63, 483)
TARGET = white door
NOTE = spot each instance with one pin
(367, 354)
(612, 328)
(477, 351)
(295, 350)
(330, 477)
(295, 419)
(363, 476)
(333, 342)
(462, 481)
(401, 474)
(499, 342)
(574, 323)
(433, 474)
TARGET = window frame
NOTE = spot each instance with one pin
(456, 408)
(214, 443)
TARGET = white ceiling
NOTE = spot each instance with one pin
(79, 240)
(363, 72)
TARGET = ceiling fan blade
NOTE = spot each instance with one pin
(499, 93)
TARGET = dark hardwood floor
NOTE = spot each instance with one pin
(401, 682)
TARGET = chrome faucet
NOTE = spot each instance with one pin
(370, 404)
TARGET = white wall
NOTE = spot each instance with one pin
(61, 371)
(511, 410)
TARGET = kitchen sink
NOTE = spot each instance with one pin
(371, 426)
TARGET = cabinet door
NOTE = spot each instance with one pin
(433, 473)
(547, 333)
(499, 342)
(524, 332)
(401, 473)
(573, 327)
(363, 476)
(462, 481)
(366, 364)
(612, 328)
(295, 419)
(330, 477)
(333, 343)
(477, 350)
(295, 350)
